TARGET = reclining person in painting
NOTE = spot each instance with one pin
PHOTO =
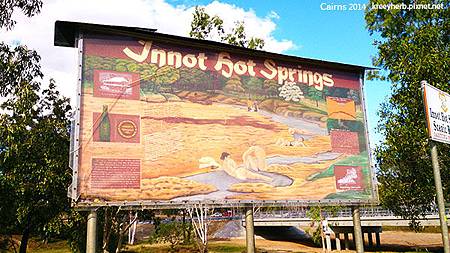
(241, 172)
(254, 160)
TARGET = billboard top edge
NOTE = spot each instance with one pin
(66, 33)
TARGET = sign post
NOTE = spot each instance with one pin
(91, 240)
(249, 230)
(359, 242)
(436, 108)
(440, 196)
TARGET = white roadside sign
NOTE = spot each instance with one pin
(437, 109)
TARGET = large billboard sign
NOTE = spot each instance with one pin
(437, 104)
(174, 122)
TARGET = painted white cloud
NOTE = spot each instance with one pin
(61, 63)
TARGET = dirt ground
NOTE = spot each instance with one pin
(391, 241)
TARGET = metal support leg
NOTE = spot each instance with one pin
(338, 242)
(346, 242)
(328, 240)
(91, 238)
(377, 239)
(359, 243)
(249, 230)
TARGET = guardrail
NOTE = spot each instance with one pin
(346, 212)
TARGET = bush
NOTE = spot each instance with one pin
(171, 232)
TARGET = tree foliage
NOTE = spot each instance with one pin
(34, 131)
(414, 45)
(205, 26)
(34, 136)
(28, 7)
(171, 232)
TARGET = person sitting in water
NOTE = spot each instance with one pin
(241, 172)
(297, 138)
(254, 158)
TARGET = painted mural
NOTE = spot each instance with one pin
(164, 122)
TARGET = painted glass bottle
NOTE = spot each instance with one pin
(105, 125)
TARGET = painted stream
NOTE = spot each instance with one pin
(223, 181)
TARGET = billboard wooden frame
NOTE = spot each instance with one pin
(71, 34)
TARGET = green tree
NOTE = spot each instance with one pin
(34, 134)
(166, 75)
(171, 232)
(28, 7)
(271, 87)
(194, 79)
(253, 84)
(234, 84)
(317, 214)
(314, 94)
(414, 45)
(203, 26)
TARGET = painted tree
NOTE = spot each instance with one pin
(315, 94)
(253, 84)
(195, 79)
(414, 45)
(166, 76)
(234, 84)
(205, 26)
(270, 87)
(290, 92)
(147, 73)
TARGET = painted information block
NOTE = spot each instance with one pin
(110, 173)
(169, 121)
(437, 104)
(348, 178)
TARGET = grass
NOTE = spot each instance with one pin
(223, 248)
(53, 247)
(213, 247)
(430, 229)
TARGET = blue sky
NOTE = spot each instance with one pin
(339, 36)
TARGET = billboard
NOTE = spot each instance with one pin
(437, 104)
(165, 121)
